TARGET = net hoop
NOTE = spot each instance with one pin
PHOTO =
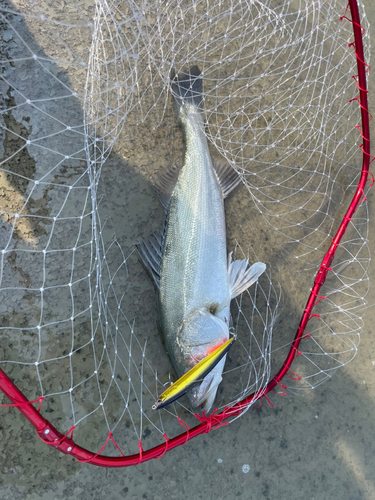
(65, 444)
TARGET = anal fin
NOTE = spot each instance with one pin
(227, 177)
(240, 276)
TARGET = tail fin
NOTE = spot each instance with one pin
(187, 87)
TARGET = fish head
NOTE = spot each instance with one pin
(200, 334)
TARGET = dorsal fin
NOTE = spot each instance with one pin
(240, 278)
(227, 176)
(150, 253)
(164, 185)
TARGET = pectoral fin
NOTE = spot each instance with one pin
(241, 277)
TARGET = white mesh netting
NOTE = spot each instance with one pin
(86, 121)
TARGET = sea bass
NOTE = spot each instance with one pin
(188, 261)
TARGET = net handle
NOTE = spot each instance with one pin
(66, 445)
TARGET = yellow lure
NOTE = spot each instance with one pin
(193, 376)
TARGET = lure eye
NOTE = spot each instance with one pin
(156, 405)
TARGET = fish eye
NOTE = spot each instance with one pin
(213, 308)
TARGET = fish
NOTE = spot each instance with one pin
(187, 260)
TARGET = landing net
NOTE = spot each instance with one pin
(87, 120)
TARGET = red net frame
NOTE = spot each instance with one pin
(65, 444)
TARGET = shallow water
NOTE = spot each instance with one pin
(316, 446)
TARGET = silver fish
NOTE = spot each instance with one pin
(188, 259)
